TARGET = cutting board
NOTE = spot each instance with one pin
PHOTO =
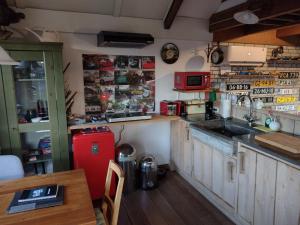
(284, 143)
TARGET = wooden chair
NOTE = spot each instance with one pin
(110, 208)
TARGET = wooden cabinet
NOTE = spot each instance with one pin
(181, 146)
(224, 176)
(265, 190)
(203, 163)
(35, 88)
(246, 183)
(230, 179)
(287, 206)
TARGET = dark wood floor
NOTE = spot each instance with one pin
(175, 202)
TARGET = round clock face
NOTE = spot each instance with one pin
(217, 56)
(169, 53)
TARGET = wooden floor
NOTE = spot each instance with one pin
(175, 202)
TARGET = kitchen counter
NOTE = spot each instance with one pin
(249, 139)
(155, 118)
(197, 123)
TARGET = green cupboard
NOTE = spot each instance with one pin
(32, 107)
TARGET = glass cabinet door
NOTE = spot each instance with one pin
(31, 92)
(27, 88)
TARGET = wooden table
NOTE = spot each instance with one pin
(77, 208)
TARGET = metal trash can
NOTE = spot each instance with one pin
(148, 172)
(126, 158)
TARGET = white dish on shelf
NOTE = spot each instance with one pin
(36, 119)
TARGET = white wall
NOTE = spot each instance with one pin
(187, 34)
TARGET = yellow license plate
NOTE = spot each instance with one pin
(264, 83)
(286, 99)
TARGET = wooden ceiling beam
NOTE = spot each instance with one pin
(175, 6)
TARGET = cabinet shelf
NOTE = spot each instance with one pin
(30, 80)
(32, 127)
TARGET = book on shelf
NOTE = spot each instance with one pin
(28, 200)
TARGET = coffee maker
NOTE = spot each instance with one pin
(210, 111)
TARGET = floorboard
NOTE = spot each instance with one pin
(174, 202)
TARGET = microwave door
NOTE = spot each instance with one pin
(193, 81)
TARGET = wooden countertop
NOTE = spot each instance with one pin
(155, 118)
(76, 210)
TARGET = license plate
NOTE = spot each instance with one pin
(264, 83)
(284, 108)
(263, 91)
(237, 87)
(286, 99)
(265, 99)
(288, 75)
(286, 82)
(286, 91)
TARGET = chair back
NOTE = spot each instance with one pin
(10, 167)
(111, 208)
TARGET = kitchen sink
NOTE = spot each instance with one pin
(220, 133)
(226, 128)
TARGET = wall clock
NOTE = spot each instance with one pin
(217, 56)
(169, 53)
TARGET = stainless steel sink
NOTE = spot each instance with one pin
(226, 128)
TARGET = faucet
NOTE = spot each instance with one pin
(250, 118)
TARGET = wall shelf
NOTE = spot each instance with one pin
(195, 91)
(258, 76)
(281, 61)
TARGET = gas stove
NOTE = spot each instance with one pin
(121, 117)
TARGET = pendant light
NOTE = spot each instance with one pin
(5, 59)
(244, 17)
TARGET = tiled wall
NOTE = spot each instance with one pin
(289, 123)
(289, 120)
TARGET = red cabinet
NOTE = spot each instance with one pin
(93, 148)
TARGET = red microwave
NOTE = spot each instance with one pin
(191, 80)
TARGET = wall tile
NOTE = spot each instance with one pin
(297, 127)
(287, 125)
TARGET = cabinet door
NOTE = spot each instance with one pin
(218, 172)
(187, 149)
(246, 183)
(202, 163)
(287, 206)
(175, 144)
(229, 168)
(265, 190)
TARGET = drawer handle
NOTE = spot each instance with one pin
(242, 162)
(187, 134)
(230, 167)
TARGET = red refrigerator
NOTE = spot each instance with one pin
(92, 149)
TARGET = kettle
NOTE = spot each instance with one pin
(47, 36)
(274, 125)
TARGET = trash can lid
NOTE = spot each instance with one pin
(126, 152)
(148, 161)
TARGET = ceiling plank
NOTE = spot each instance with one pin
(169, 19)
(288, 31)
(264, 10)
(117, 8)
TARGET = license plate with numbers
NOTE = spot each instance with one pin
(265, 99)
(286, 99)
(263, 91)
(237, 87)
(286, 82)
(284, 108)
(264, 83)
(286, 91)
(288, 75)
